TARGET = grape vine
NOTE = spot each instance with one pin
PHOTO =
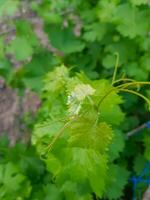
(74, 139)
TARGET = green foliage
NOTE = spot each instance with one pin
(58, 39)
(118, 178)
(7, 7)
(82, 132)
(133, 25)
(117, 145)
(74, 123)
(147, 147)
(24, 52)
(139, 164)
(22, 173)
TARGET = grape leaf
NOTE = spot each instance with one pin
(94, 136)
(109, 61)
(12, 181)
(8, 7)
(146, 141)
(139, 2)
(94, 32)
(133, 25)
(52, 192)
(117, 179)
(77, 96)
(117, 145)
(86, 164)
(58, 37)
(106, 10)
(139, 164)
(21, 48)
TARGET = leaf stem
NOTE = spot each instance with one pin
(60, 132)
(124, 79)
(138, 94)
(123, 86)
(116, 67)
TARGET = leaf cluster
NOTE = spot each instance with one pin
(76, 142)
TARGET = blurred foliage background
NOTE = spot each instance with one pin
(36, 36)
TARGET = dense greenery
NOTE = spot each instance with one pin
(79, 146)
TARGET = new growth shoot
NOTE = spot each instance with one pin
(118, 85)
(125, 84)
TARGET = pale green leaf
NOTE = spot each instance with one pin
(21, 48)
(77, 96)
(8, 7)
(109, 61)
(139, 2)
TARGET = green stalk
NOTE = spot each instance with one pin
(138, 94)
(116, 67)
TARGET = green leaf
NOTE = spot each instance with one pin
(77, 96)
(55, 80)
(76, 191)
(108, 102)
(8, 7)
(146, 141)
(133, 25)
(106, 10)
(139, 2)
(57, 37)
(53, 164)
(1, 48)
(109, 61)
(87, 164)
(146, 63)
(12, 182)
(139, 164)
(11, 178)
(117, 145)
(6, 69)
(52, 192)
(94, 136)
(48, 129)
(33, 78)
(112, 115)
(21, 48)
(117, 179)
(133, 70)
(24, 29)
(94, 32)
